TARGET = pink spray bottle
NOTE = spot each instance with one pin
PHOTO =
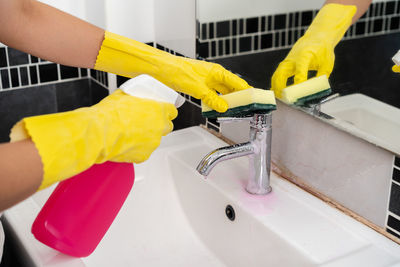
(81, 209)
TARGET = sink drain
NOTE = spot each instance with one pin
(230, 212)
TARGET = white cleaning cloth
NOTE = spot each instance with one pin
(145, 86)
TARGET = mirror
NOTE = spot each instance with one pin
(251, 38)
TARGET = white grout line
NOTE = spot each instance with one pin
(395, 182)
(19, 76)
(37, 74)
(394, 215)
(390, 228)
(43, 83)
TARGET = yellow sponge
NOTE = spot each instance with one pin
(308, 91)
(244, 103)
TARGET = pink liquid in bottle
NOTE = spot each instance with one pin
(81, 209)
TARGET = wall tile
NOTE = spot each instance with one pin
(397, 161)
(189, 115)
(5, 79)
(393, 233)
(17, 104)
(16, 57)
(14, 77)
(211, 30)
(84, 72)
(98, 92)
(245, 44)
(279, 21)
(390, 7)
(394, 204)
(68, 72)
(72, 95)
(252, 25)
(223, 29)
(394, 223)
(396, 175)
(266, 40)
(33, 74)
(48, 72)
(3, 57)
(23, 72)
(34, 59)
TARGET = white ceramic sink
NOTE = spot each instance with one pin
(175, 217)
(376, 121)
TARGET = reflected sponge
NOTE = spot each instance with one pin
(244, 103)
(307, 92)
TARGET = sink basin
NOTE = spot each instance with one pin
(374, 120)
(175, 217)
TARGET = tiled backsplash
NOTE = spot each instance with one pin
(19, 70)
(393, 219)
(265, 33)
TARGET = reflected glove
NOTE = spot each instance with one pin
(200, 79)
(120, 128)
(315, 49)
(396, 68)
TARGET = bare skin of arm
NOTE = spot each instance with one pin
(51, 34)
(362, 6)
(21, 172)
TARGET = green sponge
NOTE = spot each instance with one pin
(307, 92)
(244, 103)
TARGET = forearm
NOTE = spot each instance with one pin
(21, 172)
(49, 33)
(362, 6)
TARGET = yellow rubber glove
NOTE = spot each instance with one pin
(200, 79)
(120, 128)
(315, 49)
(396, 68)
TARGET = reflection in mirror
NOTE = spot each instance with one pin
(252, 37)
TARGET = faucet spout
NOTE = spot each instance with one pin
(258, 149)
(221, 154)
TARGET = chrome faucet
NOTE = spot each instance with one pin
(314, 108)
(258, 149)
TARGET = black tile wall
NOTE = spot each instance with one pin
(252, 25)
(223, 28)
(279, 21)
(68, 72)
(397, 161)
(44, 99)
(393, 233)
(245, 44)
(394, 223)
(73, 95)
(3, 57)
(16, 57)
(23, 72)
(19, 70)
(394, 203)
(396, 175)
(48, 72)
(189, 115)
(97, 92)
(381, 18)
(17, 104)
